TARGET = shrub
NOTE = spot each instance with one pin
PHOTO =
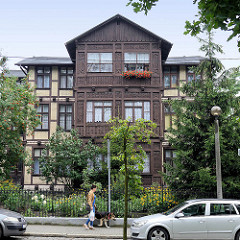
(157, 199)
(6, 188)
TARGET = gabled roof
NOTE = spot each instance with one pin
(16, 73)
(45, 61)
(71, 45)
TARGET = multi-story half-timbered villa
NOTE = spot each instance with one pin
(87, 89)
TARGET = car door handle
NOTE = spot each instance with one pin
(231, 221)
(201, 221)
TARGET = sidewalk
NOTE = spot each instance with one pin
(76, 230)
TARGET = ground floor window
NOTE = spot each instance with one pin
(169, 116)
(100, 159)
(146, 168)
(37, 153)
(169, 156)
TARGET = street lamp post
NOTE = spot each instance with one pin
(216, 111)
(109, 175)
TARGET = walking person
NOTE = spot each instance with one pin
(91, 203)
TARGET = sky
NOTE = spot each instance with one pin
(42, 27)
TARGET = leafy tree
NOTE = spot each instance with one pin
(65, 157)
(125, 140)
(142, 5)
(192, 135)
(223, 14)
(17, 117)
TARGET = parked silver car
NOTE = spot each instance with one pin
(195, 219)
(11, 223)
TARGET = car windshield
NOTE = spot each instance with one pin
(168, 212)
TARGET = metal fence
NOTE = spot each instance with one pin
(73, 203)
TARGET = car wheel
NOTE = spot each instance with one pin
(1, 232)
(237, 237)
(158, 233)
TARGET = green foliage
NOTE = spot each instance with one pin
(90, 176)
(17, 116)
(125, 140)
(157, 199)
(142, 5)
(6, 187)
(221, 14)
(65, 158)
(118, 187)
(193, 133)
(126, 150)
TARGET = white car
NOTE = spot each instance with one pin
(11, 223)
(194, 219)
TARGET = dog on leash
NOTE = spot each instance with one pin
(104, 217)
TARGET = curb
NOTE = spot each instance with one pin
(66, 235)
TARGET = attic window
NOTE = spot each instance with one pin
(99, 62)
(118, 22)
(136, 61)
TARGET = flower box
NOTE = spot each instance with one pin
(137, 74)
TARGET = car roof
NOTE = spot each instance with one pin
(212, 200)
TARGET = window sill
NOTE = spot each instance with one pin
(166, 88)
(41, 130)
(66, 130)
(43, 88)
(136, 78)
(100, 72)
(96, 122)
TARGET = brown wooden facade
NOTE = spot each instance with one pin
(111, 92)
(119, 36)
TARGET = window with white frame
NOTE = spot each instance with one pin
(191, 76)
(43, 77)
(146, 168)
(169, 158)
(168, 113)
(66, 77)
(137, 109)
(99, 111)
(99, 160)
(65, 117)
(136, 61)
(170, 76)
(37, 153)
(99, 62)
(43, 110)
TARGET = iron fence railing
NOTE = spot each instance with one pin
(73, 203)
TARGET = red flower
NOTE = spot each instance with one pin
(137, 74)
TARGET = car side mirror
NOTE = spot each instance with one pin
(179, 215)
